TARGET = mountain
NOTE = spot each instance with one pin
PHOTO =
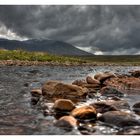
(43, 45)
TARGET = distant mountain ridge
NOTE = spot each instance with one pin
(43, 45)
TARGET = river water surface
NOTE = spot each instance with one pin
(19, 116)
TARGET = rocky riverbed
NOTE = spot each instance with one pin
(69, 100)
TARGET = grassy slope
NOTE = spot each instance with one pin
(43, 57)
(36, 56)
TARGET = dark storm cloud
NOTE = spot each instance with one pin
(111, 29)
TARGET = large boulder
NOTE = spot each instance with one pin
(84, 113)
(54, 89)
(119, 118)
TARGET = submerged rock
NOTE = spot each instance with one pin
(84, 113)
(63, 105)
(119, 118)
(66, 123)
(53, 89)
(110, 92)
(130, 131)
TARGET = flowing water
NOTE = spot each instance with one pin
(19, 116)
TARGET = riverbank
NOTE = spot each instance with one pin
(24, 58)
(39, 63)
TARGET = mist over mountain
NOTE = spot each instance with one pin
(43, 45)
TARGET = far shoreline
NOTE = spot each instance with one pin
(46, 63)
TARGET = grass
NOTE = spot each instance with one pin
(45, 57)
(115, 59)
(36, 56)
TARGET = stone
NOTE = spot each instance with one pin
(48, 88)
(79, 82)
(110, 92)
(92, 87)
(63, 105)
(110, 105)
(102, 76)
(102, 107)
(36, 92)
(119, 104)
(119, 118)
(34, 100)
(135, 130)
(64, 91)
(136, 105)
(66, 123)
(84, 113)
(124, 83)
(135, 73)
(91, 80)
(136, 108)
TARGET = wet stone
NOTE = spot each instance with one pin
(53, 89)
(91, 80)
(130, 131)
(102, 107)
(119, 118)
(36, 92)
(110, 105)
(135, 73)
(85, 113)
(136, 108)
(66, 123)
(63, 105)
(34, 100)
(102, 76)
(79, 82)
(111, 92)
(85, 130)
(124, 83)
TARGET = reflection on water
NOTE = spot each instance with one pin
(18, 116)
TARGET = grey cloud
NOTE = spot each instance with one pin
(111, 29)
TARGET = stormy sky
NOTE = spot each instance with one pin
(98, 29)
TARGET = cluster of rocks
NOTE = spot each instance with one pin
(112, 109)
